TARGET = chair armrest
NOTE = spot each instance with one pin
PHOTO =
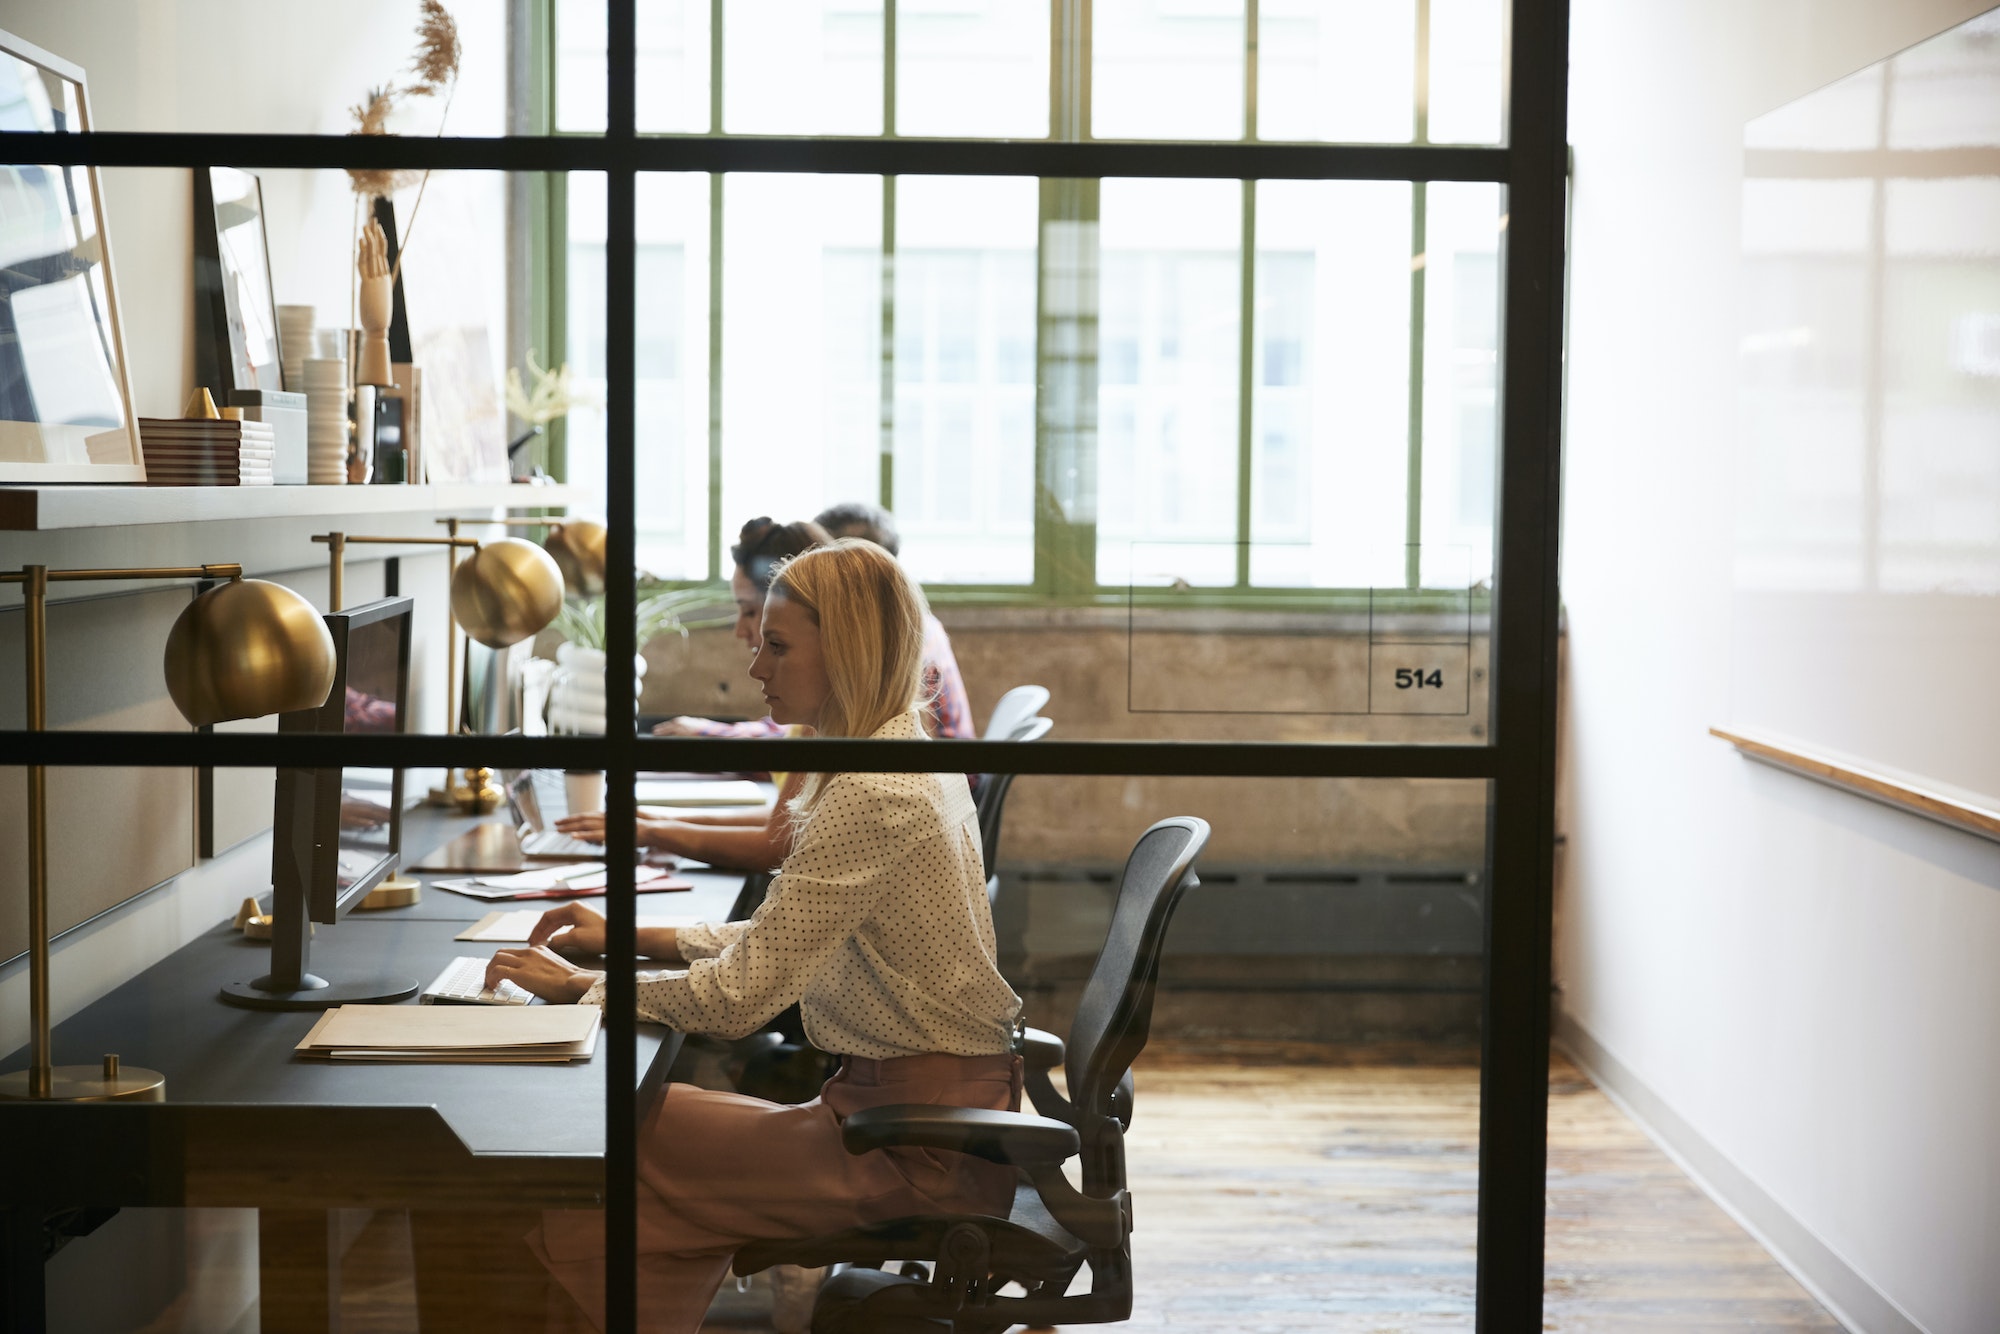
(1041, 1053)
(1001, 1137)
(1040, 1050)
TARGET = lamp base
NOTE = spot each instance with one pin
(479, 795)
(88, 1083)
(398, 891)
(317, 993)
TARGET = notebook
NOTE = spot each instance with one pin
(446, 1034)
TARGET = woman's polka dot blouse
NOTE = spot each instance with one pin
(877, 925)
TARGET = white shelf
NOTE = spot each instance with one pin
(41, 509)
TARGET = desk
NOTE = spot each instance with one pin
(249, 1124)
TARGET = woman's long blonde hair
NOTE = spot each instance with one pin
(870, 615)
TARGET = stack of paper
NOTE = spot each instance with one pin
(700, 792)
(559, 882)
(199, 451)
(451, 1034)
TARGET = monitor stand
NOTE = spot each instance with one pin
(288, 986)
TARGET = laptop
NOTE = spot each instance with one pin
(529, 792)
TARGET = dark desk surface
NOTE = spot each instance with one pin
(246, 1118)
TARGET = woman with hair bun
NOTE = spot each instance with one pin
(752, 839)
(876, 925)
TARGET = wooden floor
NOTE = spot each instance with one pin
(1293, 1187)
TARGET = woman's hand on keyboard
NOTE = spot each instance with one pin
(572, 928)
(542, 971)
(651, 832)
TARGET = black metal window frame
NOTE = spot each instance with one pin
(1518, 765)
(1064, 546)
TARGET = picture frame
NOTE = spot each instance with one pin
(66, 408)
(235, 301)
(400, 407)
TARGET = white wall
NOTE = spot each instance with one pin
(245, 66)
(251, 66)
(1807, 984)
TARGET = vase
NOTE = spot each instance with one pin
(576, 699)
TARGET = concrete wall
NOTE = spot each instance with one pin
(1796, 987)
(1240, 663)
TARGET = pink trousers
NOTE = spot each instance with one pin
(719, 1170)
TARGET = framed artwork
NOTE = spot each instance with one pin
(236, 312)
(65, 387)
(399, 414)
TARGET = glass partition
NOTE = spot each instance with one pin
(1206, 447)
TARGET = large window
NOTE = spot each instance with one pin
(1230, 388)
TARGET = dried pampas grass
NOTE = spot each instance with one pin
(436, 63)
(371, 116)
(434, 71)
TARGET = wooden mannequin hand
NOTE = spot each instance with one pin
(375, 308)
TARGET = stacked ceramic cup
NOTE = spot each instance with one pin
(326, 421)
(295, 344)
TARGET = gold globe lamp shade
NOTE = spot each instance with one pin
(578, 547)
(506, 591)
(246, 649)
(241, 650)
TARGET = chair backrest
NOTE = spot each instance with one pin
(1116, 1012)
(1015, 707)
(992, 802)
(755, 886)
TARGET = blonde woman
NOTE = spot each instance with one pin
(877, 925)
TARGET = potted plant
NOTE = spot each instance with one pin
(576, 699)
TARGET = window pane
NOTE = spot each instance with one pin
(673, 66)
(1167, 69)
(972, 67)
(802, 67)
(1336, 70)
(1467, 50)
(1168, 366)
(579, 72)
(671, 481)
(1461, 380)
(965, 377)
(801, 344)
(1330, 370)
(672, 73)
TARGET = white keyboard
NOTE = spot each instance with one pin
(463, 982)
(551, 843)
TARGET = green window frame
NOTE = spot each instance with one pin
(1065, 547)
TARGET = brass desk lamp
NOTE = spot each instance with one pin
(241, 650)
(576, 544)
(505, 591)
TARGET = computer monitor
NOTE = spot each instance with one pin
(337, 832)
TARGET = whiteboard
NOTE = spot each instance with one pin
(1866, 593)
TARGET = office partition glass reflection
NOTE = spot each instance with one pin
(802, 66)
(801, 372)
(964, 367)
(1331, 384)
(972, 68)
(1168, 322)
(672, 361)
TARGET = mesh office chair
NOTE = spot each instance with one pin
(1053, 1228)
(992, 802)
(1015, 707)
